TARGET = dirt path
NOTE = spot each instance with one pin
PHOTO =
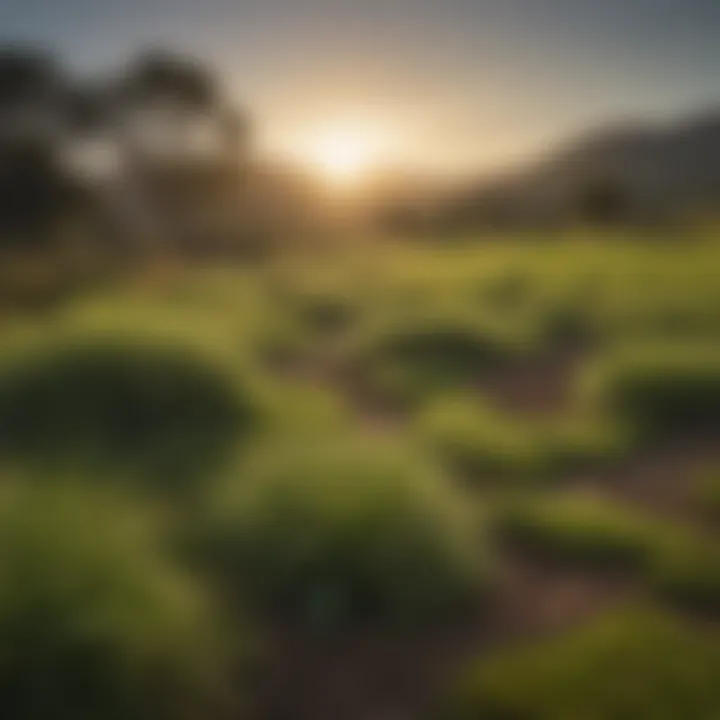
(375, 674)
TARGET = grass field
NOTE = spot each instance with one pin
(391, 482)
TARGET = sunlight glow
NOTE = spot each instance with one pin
(344, 154)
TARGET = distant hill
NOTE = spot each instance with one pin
(631, 171)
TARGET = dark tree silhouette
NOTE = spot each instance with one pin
(178, 148)
(30, 81)
(34, 187)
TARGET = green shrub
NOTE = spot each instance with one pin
(482, 443)
(326, 314)
(588, 441)
(626, 666)
(94, 620)
(662, 388)
(330, 530)
(685, 312)
(486, 444)
(414, 358)
(706, 492)
(160, 410)
(581, 529)
(293, 408)
(568, 327)
(686, 572)
(509, 289)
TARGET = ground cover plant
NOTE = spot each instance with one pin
(632, 664)
(346, 530)
(365, 471)
(96, 620)
(164, 411)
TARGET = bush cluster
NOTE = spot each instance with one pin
(485, 444)
(661, 388)
(330, 531)
(633, 664)
(582, 529)
(164, 411)
(95, 620)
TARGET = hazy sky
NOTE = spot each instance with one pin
(452, 83)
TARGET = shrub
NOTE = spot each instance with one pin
(94, 620)
(687, 573)
(484, 443)
(481, 443)
(161, 410)
(335, 530)
(634, 664)
(706, 492)
(414, 358)
(509, 290)
(293, 408)
(662, 388)
(586, 440)
(326, 314)
(568, 328)
(581, 529)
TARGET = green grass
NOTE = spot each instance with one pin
(166, 379)
(487, 445)
(705, 491)
(634, 664)
(414, 358)
(583, 530)
(676, 564)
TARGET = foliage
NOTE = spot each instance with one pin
(330, 529)
(581, 529)
(416, 357)
(706, 491)
(686, 572)
(486, 444)
(661, 388)
(163, 411)
(633, 664)
(95, 621)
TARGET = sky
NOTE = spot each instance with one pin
(453, 85)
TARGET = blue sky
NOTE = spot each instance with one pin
(460, 82)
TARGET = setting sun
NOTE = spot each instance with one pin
(344, 154)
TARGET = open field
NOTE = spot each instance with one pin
(390, 483)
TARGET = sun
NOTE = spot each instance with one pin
(343, 154)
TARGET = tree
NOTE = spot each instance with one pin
(31, 88)
(183, 143)
(34, 187)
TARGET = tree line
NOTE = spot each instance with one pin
(149, 153)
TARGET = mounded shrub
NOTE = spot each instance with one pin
(662, 388)
(326, 314)
(706, 492)
(95, 622)
(634, 664)
(483, 444)
(581, 529)
(486, 444)
(161, 410)
(331, 530)
(411, 359)
(686, 573)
